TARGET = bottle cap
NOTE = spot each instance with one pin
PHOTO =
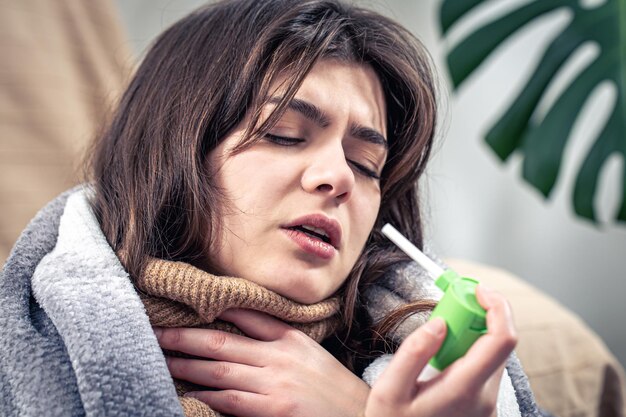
(464, 317)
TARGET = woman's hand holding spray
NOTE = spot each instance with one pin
(469, 386)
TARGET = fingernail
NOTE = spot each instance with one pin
(157, 331)
(435, 326)
(191, 394)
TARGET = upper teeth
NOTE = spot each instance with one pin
(315, 229)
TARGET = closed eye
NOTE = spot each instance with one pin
(364, 170)
(283, 140)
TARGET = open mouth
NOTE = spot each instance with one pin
(314, 232)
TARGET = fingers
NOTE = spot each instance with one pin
(255, 324)
(241, 404)
(216, 374)
(398, 381)
(213, 344)
(471, 384)
(220, 345)
(490, 352)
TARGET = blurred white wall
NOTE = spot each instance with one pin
(479, 209)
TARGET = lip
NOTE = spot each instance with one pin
(322, 249)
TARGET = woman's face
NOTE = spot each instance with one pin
(303, 200)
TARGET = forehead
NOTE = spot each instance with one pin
(344, 90)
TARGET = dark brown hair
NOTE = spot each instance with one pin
(202, 76)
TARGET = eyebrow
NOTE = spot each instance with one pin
(315, 114)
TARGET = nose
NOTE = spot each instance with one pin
(329, 174)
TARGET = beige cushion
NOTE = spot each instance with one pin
(63, 63)
(571, 371)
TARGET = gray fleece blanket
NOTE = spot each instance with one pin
(76, 340)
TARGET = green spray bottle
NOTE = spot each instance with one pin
(465, 318)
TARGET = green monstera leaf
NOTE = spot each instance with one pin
(542, 143)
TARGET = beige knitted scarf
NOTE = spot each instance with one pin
(176, 294)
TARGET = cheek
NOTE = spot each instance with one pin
(364, 215)
(250, 184)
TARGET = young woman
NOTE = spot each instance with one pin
(234, 212)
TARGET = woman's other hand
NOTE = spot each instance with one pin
(275, 371)
(467, 388)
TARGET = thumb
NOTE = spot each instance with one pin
(398, 381)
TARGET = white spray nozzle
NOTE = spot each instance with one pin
(407, 247)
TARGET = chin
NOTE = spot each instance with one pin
(302, 293)
(306, 299)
